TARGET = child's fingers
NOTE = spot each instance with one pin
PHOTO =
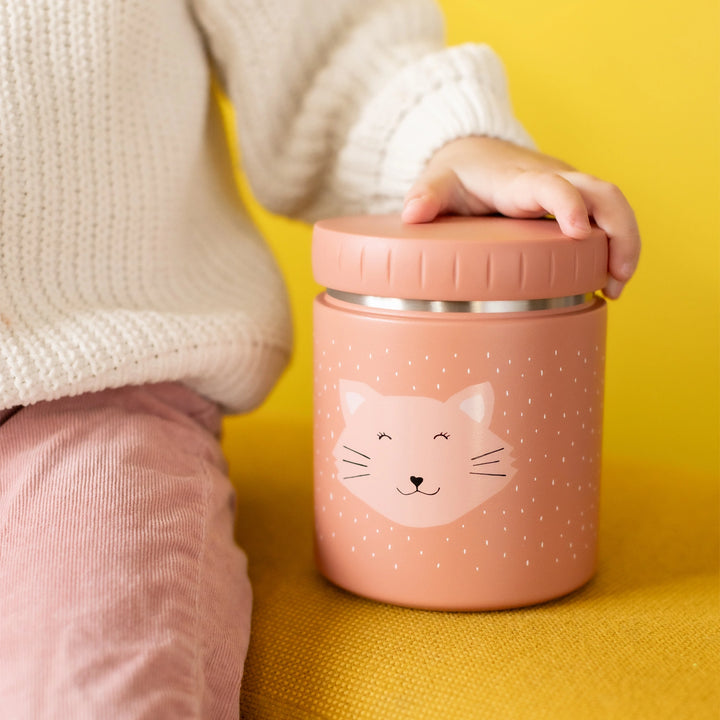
(428, 197)
(572, 197)
(436, 194)
(612, 212)
(537, 193)
(422, 208)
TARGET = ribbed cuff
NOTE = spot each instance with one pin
(457, 92)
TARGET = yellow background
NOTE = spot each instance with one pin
(627, 91)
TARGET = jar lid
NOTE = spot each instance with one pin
(456, 258)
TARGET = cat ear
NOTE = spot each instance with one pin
(352, 395)
(476, 402)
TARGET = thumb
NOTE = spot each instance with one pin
(430, 196)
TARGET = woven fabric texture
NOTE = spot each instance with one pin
(125, 255)
(639, 641)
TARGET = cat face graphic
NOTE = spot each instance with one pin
(418, 461)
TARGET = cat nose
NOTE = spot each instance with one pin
(416, 481)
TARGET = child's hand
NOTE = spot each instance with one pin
(480, 175)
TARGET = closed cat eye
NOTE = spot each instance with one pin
(381, 435)
(442, 435)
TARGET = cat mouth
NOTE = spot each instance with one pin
(417, 490)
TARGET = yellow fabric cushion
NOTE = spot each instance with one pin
(640, 641)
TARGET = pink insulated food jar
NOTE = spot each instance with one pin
(458, 392)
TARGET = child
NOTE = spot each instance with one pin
(137, 302)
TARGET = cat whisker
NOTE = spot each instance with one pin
(358, 452)
(352, 477)
(490, 474)
(488, 462)
(351, 462)
(477, 457)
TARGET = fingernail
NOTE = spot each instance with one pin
(407, 211)
(627, 270)
(613, 288)
(412, 201)
(582, 224)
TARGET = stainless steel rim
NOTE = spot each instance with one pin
(461, 306)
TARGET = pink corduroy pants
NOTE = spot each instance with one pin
(122, 592)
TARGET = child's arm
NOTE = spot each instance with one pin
(344, 105)
(480, 175)
(341, 104)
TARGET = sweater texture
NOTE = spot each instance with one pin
(126, 256)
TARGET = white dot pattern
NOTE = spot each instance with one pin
(540, 530)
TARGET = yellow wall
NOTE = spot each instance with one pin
(627, 91)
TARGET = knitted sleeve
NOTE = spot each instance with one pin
(340, 104)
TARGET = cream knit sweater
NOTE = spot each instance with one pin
(125, 254)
